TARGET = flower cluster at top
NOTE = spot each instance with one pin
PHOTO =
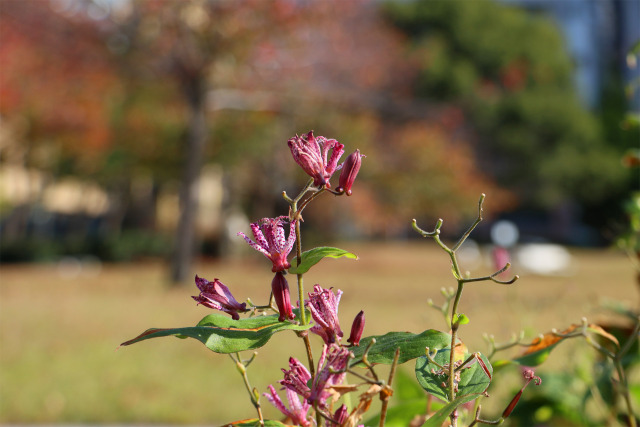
(312, 154)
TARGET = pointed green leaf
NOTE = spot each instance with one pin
(461, 319)
(222, 334)
(440, 417)
(473, 378)
(313, 256)
(411, 346)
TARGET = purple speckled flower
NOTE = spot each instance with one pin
(323, 305)
(312, 154)
(331, 371)
(297, 411)
(270, 240)
(296, 378)
(217, 296)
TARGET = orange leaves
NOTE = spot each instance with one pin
(540, 348)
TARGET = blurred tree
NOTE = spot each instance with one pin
(264, 71)
(57, 83)
(511, 74)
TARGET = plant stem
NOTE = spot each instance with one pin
(454, 335)
(385, 399)
(625, 391)
(303, 313)
(243, 372)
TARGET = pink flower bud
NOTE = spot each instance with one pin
(341, 415)
(350, 170)
(280, 289)
(217, 296)
(529, 375)
(356, 329)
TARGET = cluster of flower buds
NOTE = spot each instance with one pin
(332, 368)
(312, 154)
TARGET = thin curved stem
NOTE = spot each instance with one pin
(242, 369)
(473, 226)
(387, 396)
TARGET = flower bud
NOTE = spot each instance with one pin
(507, 411)
(356, 329)
(280, 289)
(341, 415)
(528, 375)
(350, 170)
(217, 296)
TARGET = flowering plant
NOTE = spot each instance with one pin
(454, 379)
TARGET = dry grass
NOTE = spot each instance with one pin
(59, 335)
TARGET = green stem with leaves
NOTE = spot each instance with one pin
(454, 319)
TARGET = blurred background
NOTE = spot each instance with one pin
(138, 137)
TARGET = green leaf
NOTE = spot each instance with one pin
(222, 334)
(411, 346)
(313, 256)
(461, 319)
(473, 378)
(440, 417)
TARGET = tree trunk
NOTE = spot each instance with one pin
(185, 241)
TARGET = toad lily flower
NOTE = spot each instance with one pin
(270, 240)
(323, 304)
(297, 411)
(312, 154)
(297, 378)
(331, 371)
(217, 296)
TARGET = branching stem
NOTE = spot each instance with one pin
(253, 395)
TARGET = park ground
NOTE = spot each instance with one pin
(61, 328)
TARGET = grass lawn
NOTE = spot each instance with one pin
(59, 336)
